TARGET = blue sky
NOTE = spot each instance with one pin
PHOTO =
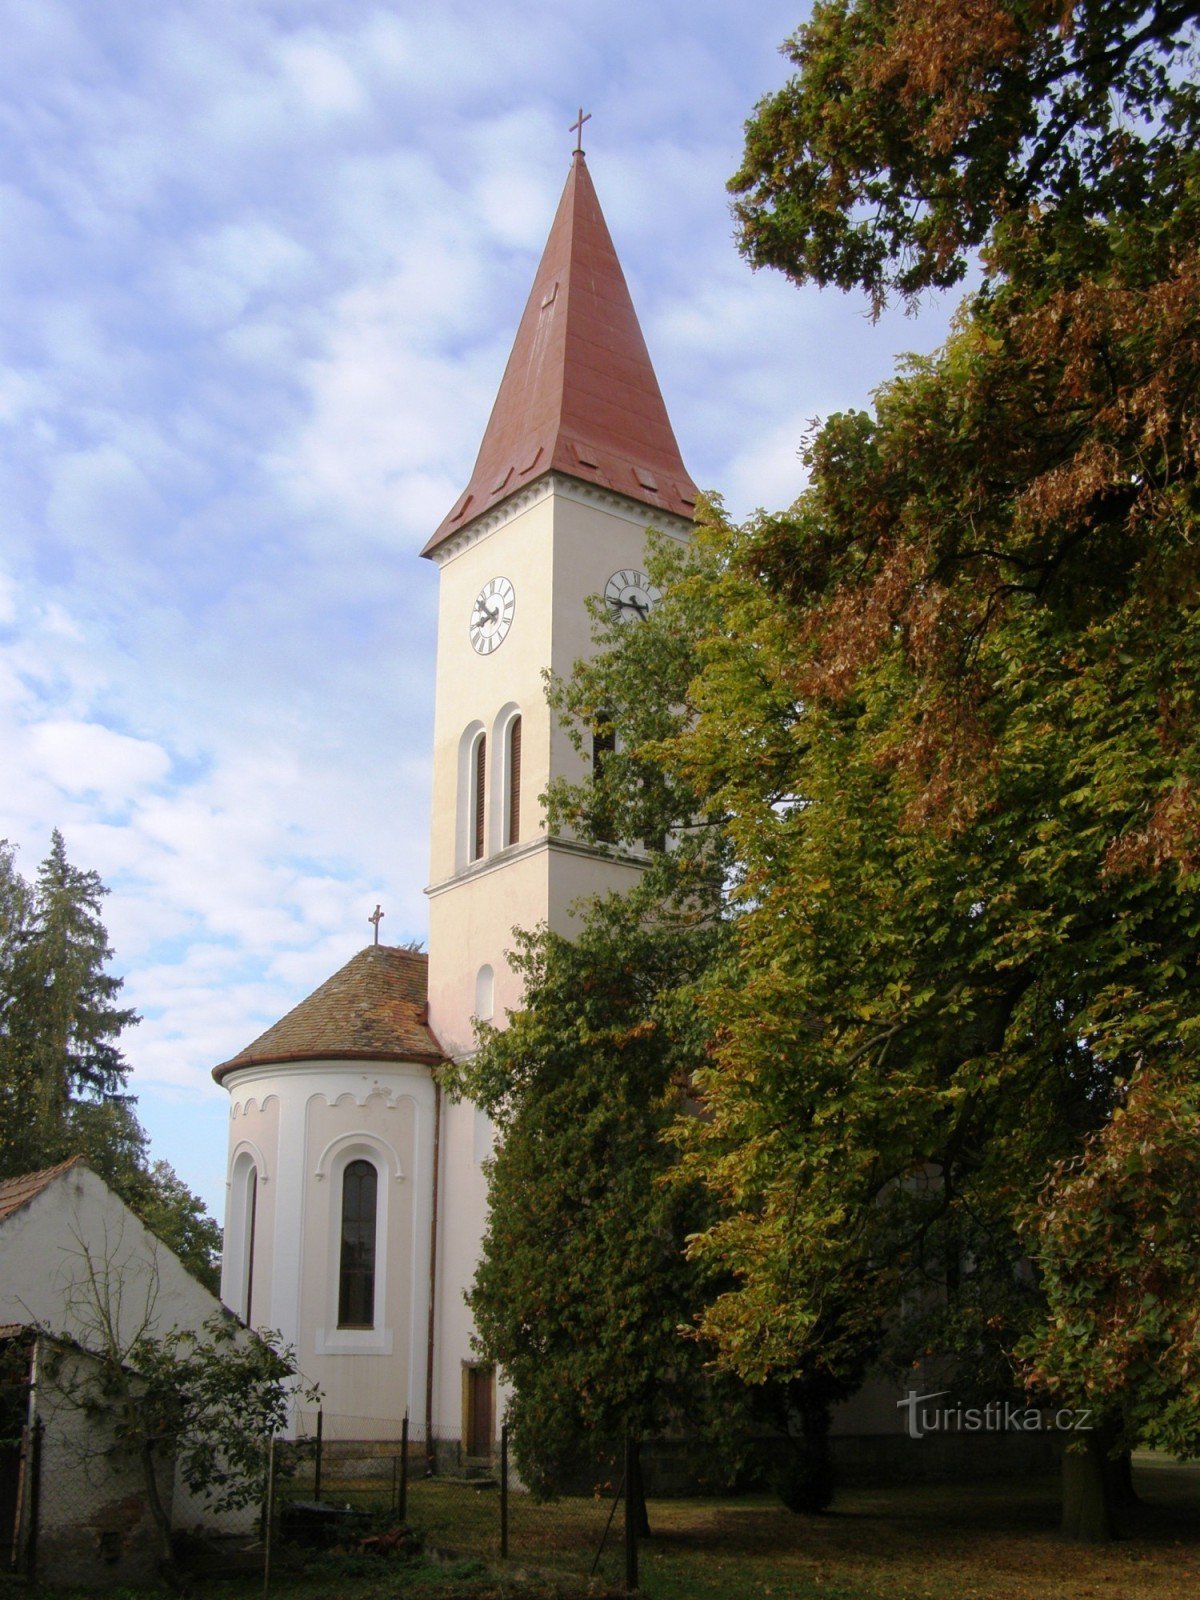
(260, 267)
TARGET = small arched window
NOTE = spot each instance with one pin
(251, 1215)
(478, 783)
(512, 809)
(485, 988)
(356, 1270)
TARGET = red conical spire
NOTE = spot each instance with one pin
(579, 394)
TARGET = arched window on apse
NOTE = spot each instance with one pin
(356, 1269)
(251, 1215)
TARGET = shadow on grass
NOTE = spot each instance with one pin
(989, 1541)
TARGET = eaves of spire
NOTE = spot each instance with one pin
(579, 394)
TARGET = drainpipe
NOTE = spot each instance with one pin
(433, 1231)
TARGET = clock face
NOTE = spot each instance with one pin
(631, 594)
(492, 615)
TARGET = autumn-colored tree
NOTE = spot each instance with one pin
(949, 717)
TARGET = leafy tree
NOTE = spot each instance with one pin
(204, 1402)
(1114, 1234)
(949, 715)
(583, 1280)
(941, 717)
(62, 1074)
(583, 1296)
(915, 130)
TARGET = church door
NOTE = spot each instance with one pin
(479, 1406)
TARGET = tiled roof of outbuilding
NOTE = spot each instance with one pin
(374, 1009)
(18, 1192)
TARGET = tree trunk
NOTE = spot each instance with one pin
(1087, 1492)
(1119, 1477)
(636, 1490)
(159, 1515)
(805, 1481)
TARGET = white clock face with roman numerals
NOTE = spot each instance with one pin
(492, 615)
(630, 594)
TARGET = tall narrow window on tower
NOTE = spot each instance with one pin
(356, 1272)
(478, 779)
(604, 743)
(512, 819)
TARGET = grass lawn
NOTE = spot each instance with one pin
(994, 1541)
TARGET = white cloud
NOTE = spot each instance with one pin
(87, 758)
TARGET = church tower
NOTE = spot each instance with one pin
(577, 461)
(357, 1199)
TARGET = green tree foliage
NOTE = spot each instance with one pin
(583, 1296)
(943, 713)
(61, 1022)
(1115, 1234)
(62, 1073)
(205, 1401)
(949, 719)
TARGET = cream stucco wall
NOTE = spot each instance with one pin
(558, 543)
(76, 1254)
(307, 1120)
(76, 1262)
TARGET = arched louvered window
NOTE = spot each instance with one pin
(604, 743)
(356, 1271)
(478, 781)
(512, 820)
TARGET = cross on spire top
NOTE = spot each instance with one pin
(377, 917)
(577, 129)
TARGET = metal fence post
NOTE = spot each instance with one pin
(402, 1506)
(504, 1491)
(35, 1497)
(632, 1479)
(269, 1515)
(318, 1461)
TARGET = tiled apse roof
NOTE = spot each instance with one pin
(372, 1010)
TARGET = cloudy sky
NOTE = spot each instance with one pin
(261, 263)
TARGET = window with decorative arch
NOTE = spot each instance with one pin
(478, 836)
(242, 1232)
(471, 821)
(505, 820)
(362, 1172)
(356, 1256)
(512, 782)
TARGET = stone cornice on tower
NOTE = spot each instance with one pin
(579, 395)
